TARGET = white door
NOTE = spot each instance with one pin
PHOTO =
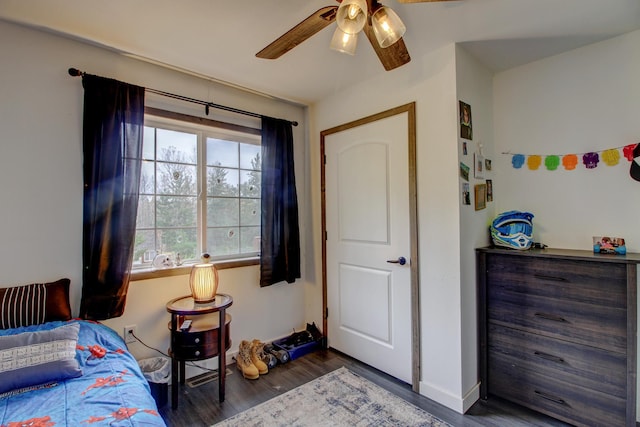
(367, 235)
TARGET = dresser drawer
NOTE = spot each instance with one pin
(198, 352)
(574, 364)
(594, 325)
(197, 339)
(571, 403)
(205, 345)
(201, 341)
(582, 281)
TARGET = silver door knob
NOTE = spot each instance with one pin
(401, 260)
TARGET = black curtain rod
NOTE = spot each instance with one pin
(77, 73)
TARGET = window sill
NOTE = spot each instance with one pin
(152, 273)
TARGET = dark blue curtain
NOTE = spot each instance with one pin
(112, 148)
(280, 234)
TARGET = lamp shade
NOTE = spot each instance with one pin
(344, 42)
(352, 15)
(387, 26)
(203, 282)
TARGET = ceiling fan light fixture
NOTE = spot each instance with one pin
(387, 26)
(352, 16)
(344, 42)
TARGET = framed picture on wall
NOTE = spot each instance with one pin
(464, 171)
(478, 167)
(466, 198)
(466, 131)
(480, 193)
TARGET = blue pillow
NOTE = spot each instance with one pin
(31, 358)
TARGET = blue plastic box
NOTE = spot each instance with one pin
(296, 351)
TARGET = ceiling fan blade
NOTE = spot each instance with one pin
(391, 57)
(301, 32)
(421, 1)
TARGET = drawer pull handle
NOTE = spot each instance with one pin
(552, 278)
(197, 353)
(548, 356)
(550, 398)
(197, 340)
(552, 317)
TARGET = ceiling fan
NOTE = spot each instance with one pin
(381, 25)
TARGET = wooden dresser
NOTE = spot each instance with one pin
(557, 332)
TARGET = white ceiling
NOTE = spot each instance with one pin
(219, 38)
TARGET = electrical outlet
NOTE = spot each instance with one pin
(129, 332)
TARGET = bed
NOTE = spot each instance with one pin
(66, 372)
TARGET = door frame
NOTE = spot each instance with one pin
(410, 109)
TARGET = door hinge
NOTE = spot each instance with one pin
(325, 159)
(326, 313)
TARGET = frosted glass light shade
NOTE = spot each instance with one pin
(344, 42)
(387, 26)
(352, 15)
(203, 282)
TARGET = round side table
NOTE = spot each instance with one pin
(205, 339)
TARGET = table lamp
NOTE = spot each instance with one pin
(203, 282)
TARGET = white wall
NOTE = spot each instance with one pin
(581, 101)
(41, 181)
(584, 100)
(430, 82)
(474, 87)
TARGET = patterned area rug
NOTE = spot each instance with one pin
(339, 398)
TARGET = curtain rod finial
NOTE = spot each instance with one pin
(74, 72)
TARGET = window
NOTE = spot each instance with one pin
(200, 191)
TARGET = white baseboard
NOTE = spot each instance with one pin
(471, 397)
(451, 401)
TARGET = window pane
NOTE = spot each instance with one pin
(250, 184)
(250, 239)
(250, 156)
(222, 212)
(178, 241)
(223, 241)
(222, 153)
(149, 143)
(176, 211)
(144, 246)
(173, 146)
(249, 212)
(174, 178)
(146, 212)
(147, 177)
(222, 182)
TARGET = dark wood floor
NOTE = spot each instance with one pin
(199, 406)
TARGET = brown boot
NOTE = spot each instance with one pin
(244, 363)
(257, 354)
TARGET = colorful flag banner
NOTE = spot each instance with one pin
(590, 160)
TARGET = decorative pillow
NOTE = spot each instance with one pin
(32, 358)
(34, 304)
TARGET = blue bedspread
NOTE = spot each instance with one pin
(111, 392)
